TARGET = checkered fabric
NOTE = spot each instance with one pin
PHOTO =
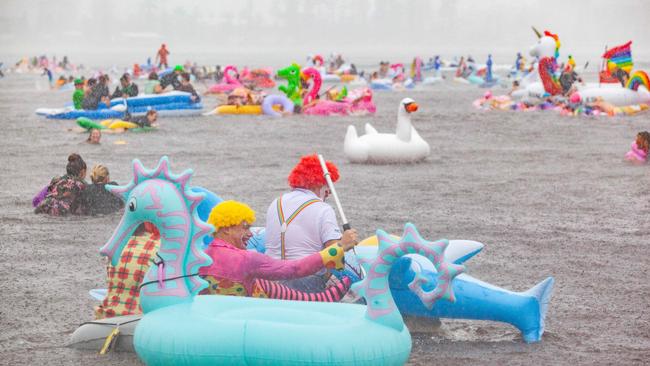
(124, 279)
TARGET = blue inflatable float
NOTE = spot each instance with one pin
(169, 104)
(152, 100)
(476, 299)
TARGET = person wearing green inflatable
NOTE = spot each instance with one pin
(172, 78)
(235, 271)
(78, 95)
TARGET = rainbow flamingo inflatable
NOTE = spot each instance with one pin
(547, 50)
(359, 102)
(230, 84)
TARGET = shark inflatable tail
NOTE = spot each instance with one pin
(476, 300)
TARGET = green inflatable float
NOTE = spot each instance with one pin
(89, 124)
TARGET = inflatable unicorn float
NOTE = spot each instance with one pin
(405, 145)
(229, 83)
(547, 50)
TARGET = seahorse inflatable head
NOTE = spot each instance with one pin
(164, 199)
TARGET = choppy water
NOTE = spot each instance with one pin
(548, 195)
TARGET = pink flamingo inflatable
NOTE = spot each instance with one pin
(360, 104)
(230, 84)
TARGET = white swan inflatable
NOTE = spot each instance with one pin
(404, 146)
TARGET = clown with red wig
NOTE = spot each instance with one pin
(299, 223)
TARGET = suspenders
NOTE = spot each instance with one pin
(284, 223)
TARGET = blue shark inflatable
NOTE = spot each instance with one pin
(475, 299)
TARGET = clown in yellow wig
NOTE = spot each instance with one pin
(230, 213)
(232, 221)
(240, 272)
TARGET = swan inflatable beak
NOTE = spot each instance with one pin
(411, 107)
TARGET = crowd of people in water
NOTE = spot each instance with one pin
(90, 93)
(303, 239)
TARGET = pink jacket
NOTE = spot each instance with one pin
(636, 154)
(244, 266)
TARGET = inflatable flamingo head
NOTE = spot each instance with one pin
(548, 45)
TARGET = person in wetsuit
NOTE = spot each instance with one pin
(126, 89)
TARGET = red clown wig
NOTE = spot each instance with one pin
(308, 173)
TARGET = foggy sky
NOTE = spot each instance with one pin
(123, 32)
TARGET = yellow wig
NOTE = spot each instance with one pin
(230, 213)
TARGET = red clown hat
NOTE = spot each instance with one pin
(308, 173)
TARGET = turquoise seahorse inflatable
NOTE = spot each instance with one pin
(181, 328)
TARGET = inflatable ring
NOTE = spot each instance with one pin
(271, 101)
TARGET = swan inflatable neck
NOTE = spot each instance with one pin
(404, 126)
